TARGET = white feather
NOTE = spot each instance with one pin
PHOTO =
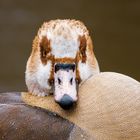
(43, 75)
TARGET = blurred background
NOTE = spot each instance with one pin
(114, 26)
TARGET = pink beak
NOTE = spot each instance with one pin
(65, 93)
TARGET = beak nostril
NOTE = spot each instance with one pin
(66, 102)
(71, 81)
(59, 81)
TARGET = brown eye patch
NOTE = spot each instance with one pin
(82, 48)
(44, 49)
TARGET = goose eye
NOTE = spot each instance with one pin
(44, 53)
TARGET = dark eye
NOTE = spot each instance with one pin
(71, 80)
(44, 53)
(59, 81)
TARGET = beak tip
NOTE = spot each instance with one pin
(66, 102)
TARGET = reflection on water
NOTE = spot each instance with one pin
(114, 26)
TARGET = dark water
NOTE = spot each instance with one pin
(114, 26)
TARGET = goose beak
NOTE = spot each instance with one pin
(65, 85)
